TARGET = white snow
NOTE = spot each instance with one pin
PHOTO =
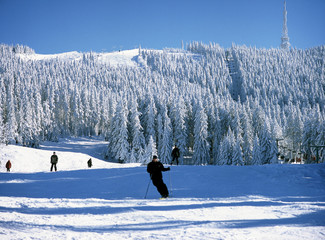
(120, 58)
(129, 58)
(67, 56)
(107, 201)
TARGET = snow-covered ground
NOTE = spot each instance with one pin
(107, 201)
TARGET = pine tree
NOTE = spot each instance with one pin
(132, 158)
(160, 133)
(180, 131)
(11, 122)
(150, 151)
(2, 128)
(320, 140)
(216, 139)
(201, 146)
(264, 145)
(225, 152)
(119, 145)
(307, 139)
(247, 139)
(256, 154)
(273, 153)
(237, 158)
(149, 119)
(166, 147)
(293, 130)
(138, 141)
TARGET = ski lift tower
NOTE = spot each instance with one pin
(285, 44)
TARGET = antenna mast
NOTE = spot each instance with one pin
(285, 38)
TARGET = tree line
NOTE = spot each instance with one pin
(189, 98)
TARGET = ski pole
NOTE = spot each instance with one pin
(145, 196)
(170, 184)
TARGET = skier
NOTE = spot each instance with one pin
(8, 166)
(155, 168)
(54, 161)
(175, 155)
(89, 162)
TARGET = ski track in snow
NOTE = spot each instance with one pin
(107, 201)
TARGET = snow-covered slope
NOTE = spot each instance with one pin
(107, 201)
(73, 154)
(129, 58)
(68, 56)
(122, 58)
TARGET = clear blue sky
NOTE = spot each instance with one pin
(54, 26)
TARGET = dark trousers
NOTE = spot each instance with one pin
(53, 165)
(173, 160)
(161, 187)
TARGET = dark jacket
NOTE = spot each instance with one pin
(54, 159)
(8, 165)
(89, 163)
(155, 169)
(175, 152)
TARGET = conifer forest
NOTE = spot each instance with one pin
(222, 106)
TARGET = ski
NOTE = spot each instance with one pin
(165, 198)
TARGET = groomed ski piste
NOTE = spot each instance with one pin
(282, 201)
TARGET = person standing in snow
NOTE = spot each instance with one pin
(89, 162)
(175, 155)
(155, 168)
(54, 161)
(8, 166)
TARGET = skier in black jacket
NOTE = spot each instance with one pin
(175, 155)
(54, 161)
(155, 168)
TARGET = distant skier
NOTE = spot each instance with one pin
(175, 155)
(8, 166)
(155, 168)
(90, 163)
(54, 161)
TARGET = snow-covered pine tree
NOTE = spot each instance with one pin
(273, 152)
(237, 158)
(256, 154)
(320, 140)
(201, 147)
(2, 127)
(247, 139)
(2, 124)
(119, 145)
(180, 131)
(225, 152)
(11, 120)
(293, 129)
(258, 120)
(132, 158)
(138, 141)
(307, 139)
(267, 146)
(149, 119)
(166, 147)
(150, 151)
(216, 139)
(160, 133)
